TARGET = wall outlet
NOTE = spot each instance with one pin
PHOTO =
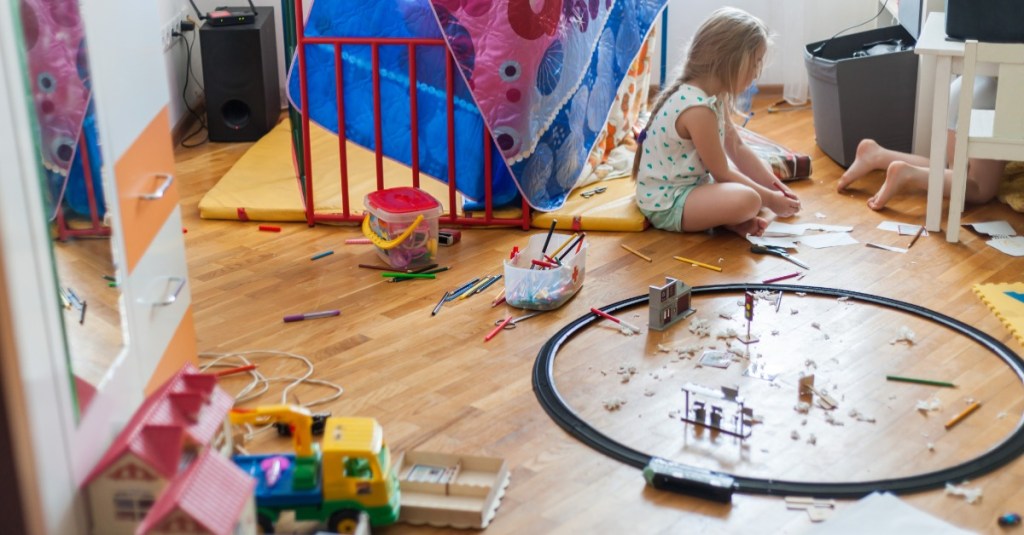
(171, 27)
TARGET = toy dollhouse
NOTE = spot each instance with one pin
(161, 474)
(669, 303)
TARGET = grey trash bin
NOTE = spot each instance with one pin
(863, 85)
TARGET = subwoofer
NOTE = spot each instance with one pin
(243, 99)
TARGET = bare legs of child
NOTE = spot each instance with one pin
(733, 206)
(909, 172)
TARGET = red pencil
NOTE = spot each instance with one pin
(780, 278)
(270, 228)
(609, 317)
(498, 329)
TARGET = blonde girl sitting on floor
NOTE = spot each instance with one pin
(685, 181)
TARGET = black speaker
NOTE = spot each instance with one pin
(243, 99)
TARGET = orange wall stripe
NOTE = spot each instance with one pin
(136, 172)
(181, 349)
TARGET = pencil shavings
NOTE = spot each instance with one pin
(726, 334)
(904, 335)
(856, 415)
(614, 404)
(970, 495)
(701, 327)
(928, 405)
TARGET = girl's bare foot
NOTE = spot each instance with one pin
(896, 177)
(754, 227)
(865, 162)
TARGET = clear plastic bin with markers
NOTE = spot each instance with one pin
(537, 285)
(402, 224)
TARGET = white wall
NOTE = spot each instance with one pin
(821, 19)
(174, 56)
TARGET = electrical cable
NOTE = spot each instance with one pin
(821, 47)
(184, 96)
(996, 457)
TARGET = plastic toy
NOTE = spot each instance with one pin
(669, 304)
(351, 473)
(727, 412)
(159, 472)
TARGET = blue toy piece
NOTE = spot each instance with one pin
(1009, 520)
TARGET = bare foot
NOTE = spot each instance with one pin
(754, 227)
(782, 205)
(865, 162)
(896, 176)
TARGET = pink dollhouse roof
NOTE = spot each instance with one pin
(190, 402)
(212, 492)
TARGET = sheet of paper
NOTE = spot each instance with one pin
(903, 229)
(1012, 246)
(992, 228)
(829, 239)
(788, 243)
(886, 247)
(776, 228)
(827, 228)
(718, 359)
(883, 513)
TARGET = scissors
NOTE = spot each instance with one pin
(777, 251)
(512, 323)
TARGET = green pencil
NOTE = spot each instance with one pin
(919, 381)
(408, 275)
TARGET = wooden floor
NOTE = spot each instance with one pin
(435, 384)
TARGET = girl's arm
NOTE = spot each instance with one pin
(700, 124)
(748, 162)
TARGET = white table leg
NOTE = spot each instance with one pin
(923, 107)
(937, 160)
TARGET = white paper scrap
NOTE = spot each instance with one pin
(903, 229)
(886, 247)
(1012, 246)
(883, 514)
(788, 243)
(829, 239)
(992, 228)
(776, 228)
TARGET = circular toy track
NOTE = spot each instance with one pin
(1008, 450)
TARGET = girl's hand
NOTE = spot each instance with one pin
(782, 187)
(783, 205)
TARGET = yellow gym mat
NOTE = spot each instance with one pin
(1007, 302)
(262, 184)
(613, 209)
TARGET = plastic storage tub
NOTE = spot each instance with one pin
(857, 93)
(545, 289)
(402, 224)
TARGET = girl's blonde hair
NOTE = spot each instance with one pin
(723, 47)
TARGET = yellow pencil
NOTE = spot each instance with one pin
(963, 414)
(472, 290)
(634, 251)
(696, 263)
(560, 247)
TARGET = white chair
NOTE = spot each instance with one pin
(987, 134)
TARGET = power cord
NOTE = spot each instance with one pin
(189, 27)
(818, 50)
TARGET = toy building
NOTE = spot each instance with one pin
(669, 303)
(721, 410)
(161, 474)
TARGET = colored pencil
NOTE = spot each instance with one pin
(473, 289)
(358, 241)
(318, 256)
(548, 239)
(554, 254)
(919, 381)
(498, 298)
(437, 307)
(458, 291)
(371, 266)
(398, 275)
(963, 414)
(270, 228)
(494, 332)
(916, 236)
(780, 278)
(609, 317)
(232, 371)
(579, 240)
(488, 284)
(311, 315)
(696, 263)
(634, 251)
